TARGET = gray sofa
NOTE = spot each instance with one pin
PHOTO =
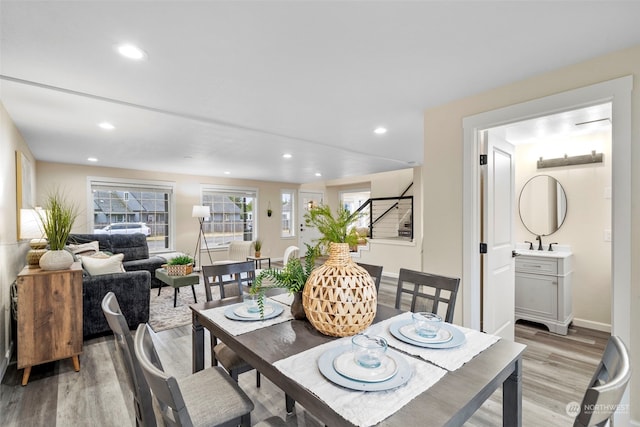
(132, 288)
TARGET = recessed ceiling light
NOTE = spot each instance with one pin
(318, 174)
(227, 173)
(131, 51)
(380, 131)
(286, 156)
(106, 126)
(92, 159)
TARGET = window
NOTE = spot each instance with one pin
(131, 207)
(288, 228)
(231, 215)
(352, 200)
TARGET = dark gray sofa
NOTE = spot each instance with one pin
(132, 288)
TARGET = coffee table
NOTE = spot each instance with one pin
(176, 282)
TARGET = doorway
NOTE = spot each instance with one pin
(618, 92)
(577, 134)
(308, 235)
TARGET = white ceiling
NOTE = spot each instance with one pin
(231, 86)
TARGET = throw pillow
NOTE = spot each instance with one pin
(85, 248)
(98, 266)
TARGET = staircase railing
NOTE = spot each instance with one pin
(390, 217)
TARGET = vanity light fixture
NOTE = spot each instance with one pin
(106, 126)
(131, 51)
(571, 161)
(380, 130)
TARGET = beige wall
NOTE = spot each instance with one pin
(72, 179)
(444, 156)
(588, 215)
(12, 252)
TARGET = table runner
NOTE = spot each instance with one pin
(286, 298)
(239, 327)
(447, 358)
(359, 407)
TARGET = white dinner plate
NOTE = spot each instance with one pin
(325, 364)
(277, 309)
(457, 336)
(346, 365)
(243, 311)
(409, 331)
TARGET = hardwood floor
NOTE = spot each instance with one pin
(556, 371)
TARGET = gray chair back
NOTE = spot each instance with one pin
(607, 386)
(165, 388)
(142, 400)
(375, 271)
(237, 273)
(425, 292)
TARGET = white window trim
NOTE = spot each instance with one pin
(233, 189)
(294, 221)
(125, 182)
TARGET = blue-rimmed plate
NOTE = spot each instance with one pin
(457, 336)
(274, 310)
(325, 364)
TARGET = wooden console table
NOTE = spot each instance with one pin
(49, 317)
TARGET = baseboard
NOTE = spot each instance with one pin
(589, 324)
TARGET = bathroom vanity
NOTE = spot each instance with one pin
(543, 287)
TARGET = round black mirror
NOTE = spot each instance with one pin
(543, 205)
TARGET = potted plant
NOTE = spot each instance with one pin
(340, 297)
(57, 219)
(257, 245)
(179, 266)
(292, 278)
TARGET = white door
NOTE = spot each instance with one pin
(308, 235)
(498, 280)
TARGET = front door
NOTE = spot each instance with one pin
(498, 279)
(308, 235)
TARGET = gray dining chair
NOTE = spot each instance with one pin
(230, 279)
(375, 271)
(419, 291)
(207, 398)
(142, 401)
(606, 387)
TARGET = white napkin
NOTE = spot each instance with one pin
(239, 327)
(359, 407)
(448, 358)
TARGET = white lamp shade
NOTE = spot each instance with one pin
(201, 211)
(30, 224)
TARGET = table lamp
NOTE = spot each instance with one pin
(31, 228)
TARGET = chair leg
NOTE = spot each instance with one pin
(194, 294)
(175, 297)
(159, 289)
(245, 420)
(257, 379)
(289, 403)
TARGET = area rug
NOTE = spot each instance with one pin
(163, 315)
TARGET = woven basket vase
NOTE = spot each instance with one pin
(340, 297)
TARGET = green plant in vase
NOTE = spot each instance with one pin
(181, 260)
(257, 245)
(57, 219)
(292, 277)
(339, 298)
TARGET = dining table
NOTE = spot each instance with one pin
(450, 401)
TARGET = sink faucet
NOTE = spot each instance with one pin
(530, 244)
(539, 239)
